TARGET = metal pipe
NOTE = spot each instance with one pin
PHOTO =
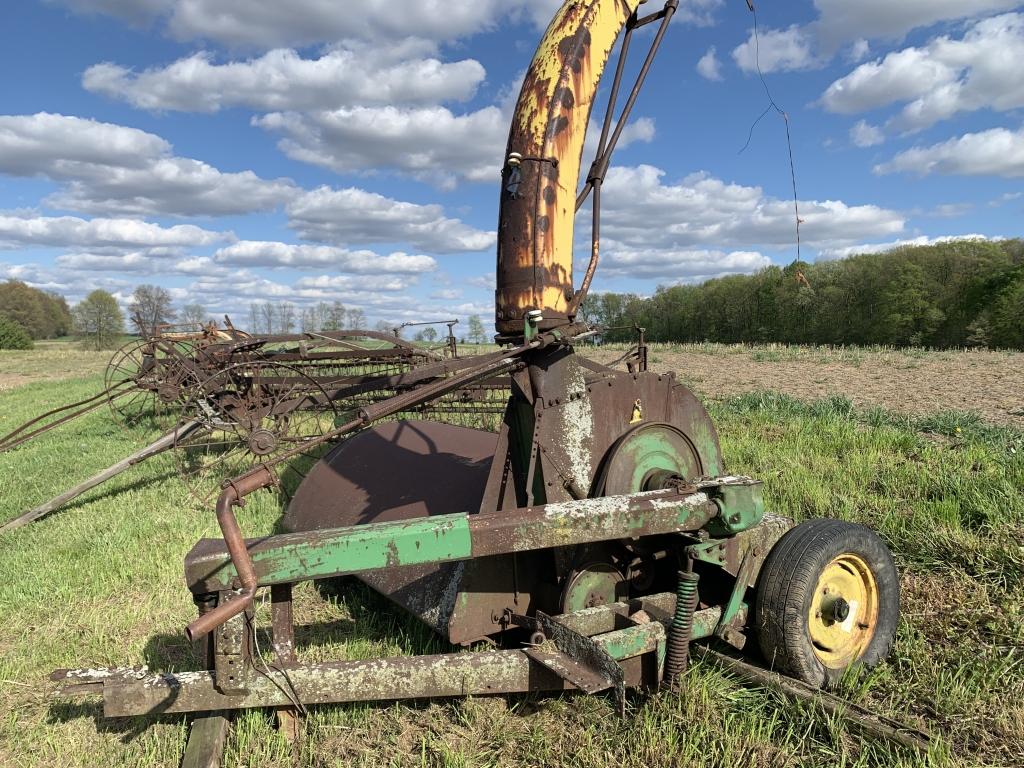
(232, 494)
(595, 250)
(12, 439)
(161, 444)
(600, 166)
(609, 110)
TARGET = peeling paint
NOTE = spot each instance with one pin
(437, 615)
(693, 500)
(578, 428)
(584, 508)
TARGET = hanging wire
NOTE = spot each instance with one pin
(290, 692)
(772, 105)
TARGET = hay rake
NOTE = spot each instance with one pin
(204, 390)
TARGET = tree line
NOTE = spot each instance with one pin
(34, 313)
(28, 313)
(284, 317)
(954, 294)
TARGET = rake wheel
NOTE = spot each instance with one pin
(251, 414)
(149, 380)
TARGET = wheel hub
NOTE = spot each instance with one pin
(262, 442)
(168, 393)
(844, 611)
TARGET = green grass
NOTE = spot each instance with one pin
(99, 584)
(50, 360)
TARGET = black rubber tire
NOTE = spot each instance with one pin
(786, 587)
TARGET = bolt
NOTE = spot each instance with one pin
(840, 610)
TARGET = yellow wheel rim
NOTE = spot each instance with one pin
(844, 611)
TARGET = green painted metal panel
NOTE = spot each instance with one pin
(442, 538)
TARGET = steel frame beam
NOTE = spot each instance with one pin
(292, 557)
(615, 629)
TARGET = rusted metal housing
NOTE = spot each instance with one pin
(556, 443)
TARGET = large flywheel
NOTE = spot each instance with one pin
(648, 458)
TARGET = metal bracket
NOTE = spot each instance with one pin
(729, 626)
(232, 655)
(580, 660)
(712, 551)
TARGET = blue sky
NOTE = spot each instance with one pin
(249, 150)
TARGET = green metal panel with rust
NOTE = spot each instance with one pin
(740, 512)
(295, 557)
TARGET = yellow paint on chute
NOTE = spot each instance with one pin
(548, 129)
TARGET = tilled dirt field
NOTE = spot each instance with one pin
(990, 384)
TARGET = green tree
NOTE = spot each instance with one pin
(1006, 320)
(947, 294)
(476, 332)
(13, 335)
(98, 320)
(910, 313)
(42, 315)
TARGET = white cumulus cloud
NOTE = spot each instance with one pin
(700, 211)
(676, 263)
(840, 23)
(853, 250)
(273, 23)
(996, 152)
(777, 50)
(282, 80)
(343, 216)
(259, 253)
(941, 79)
(429, 143)
(708, 66)
(73, 232)
(863, 134)
(109, 169)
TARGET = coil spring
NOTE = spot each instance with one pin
(678, 651)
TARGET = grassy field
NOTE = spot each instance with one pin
(99, 584)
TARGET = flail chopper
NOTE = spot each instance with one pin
(588, 542)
